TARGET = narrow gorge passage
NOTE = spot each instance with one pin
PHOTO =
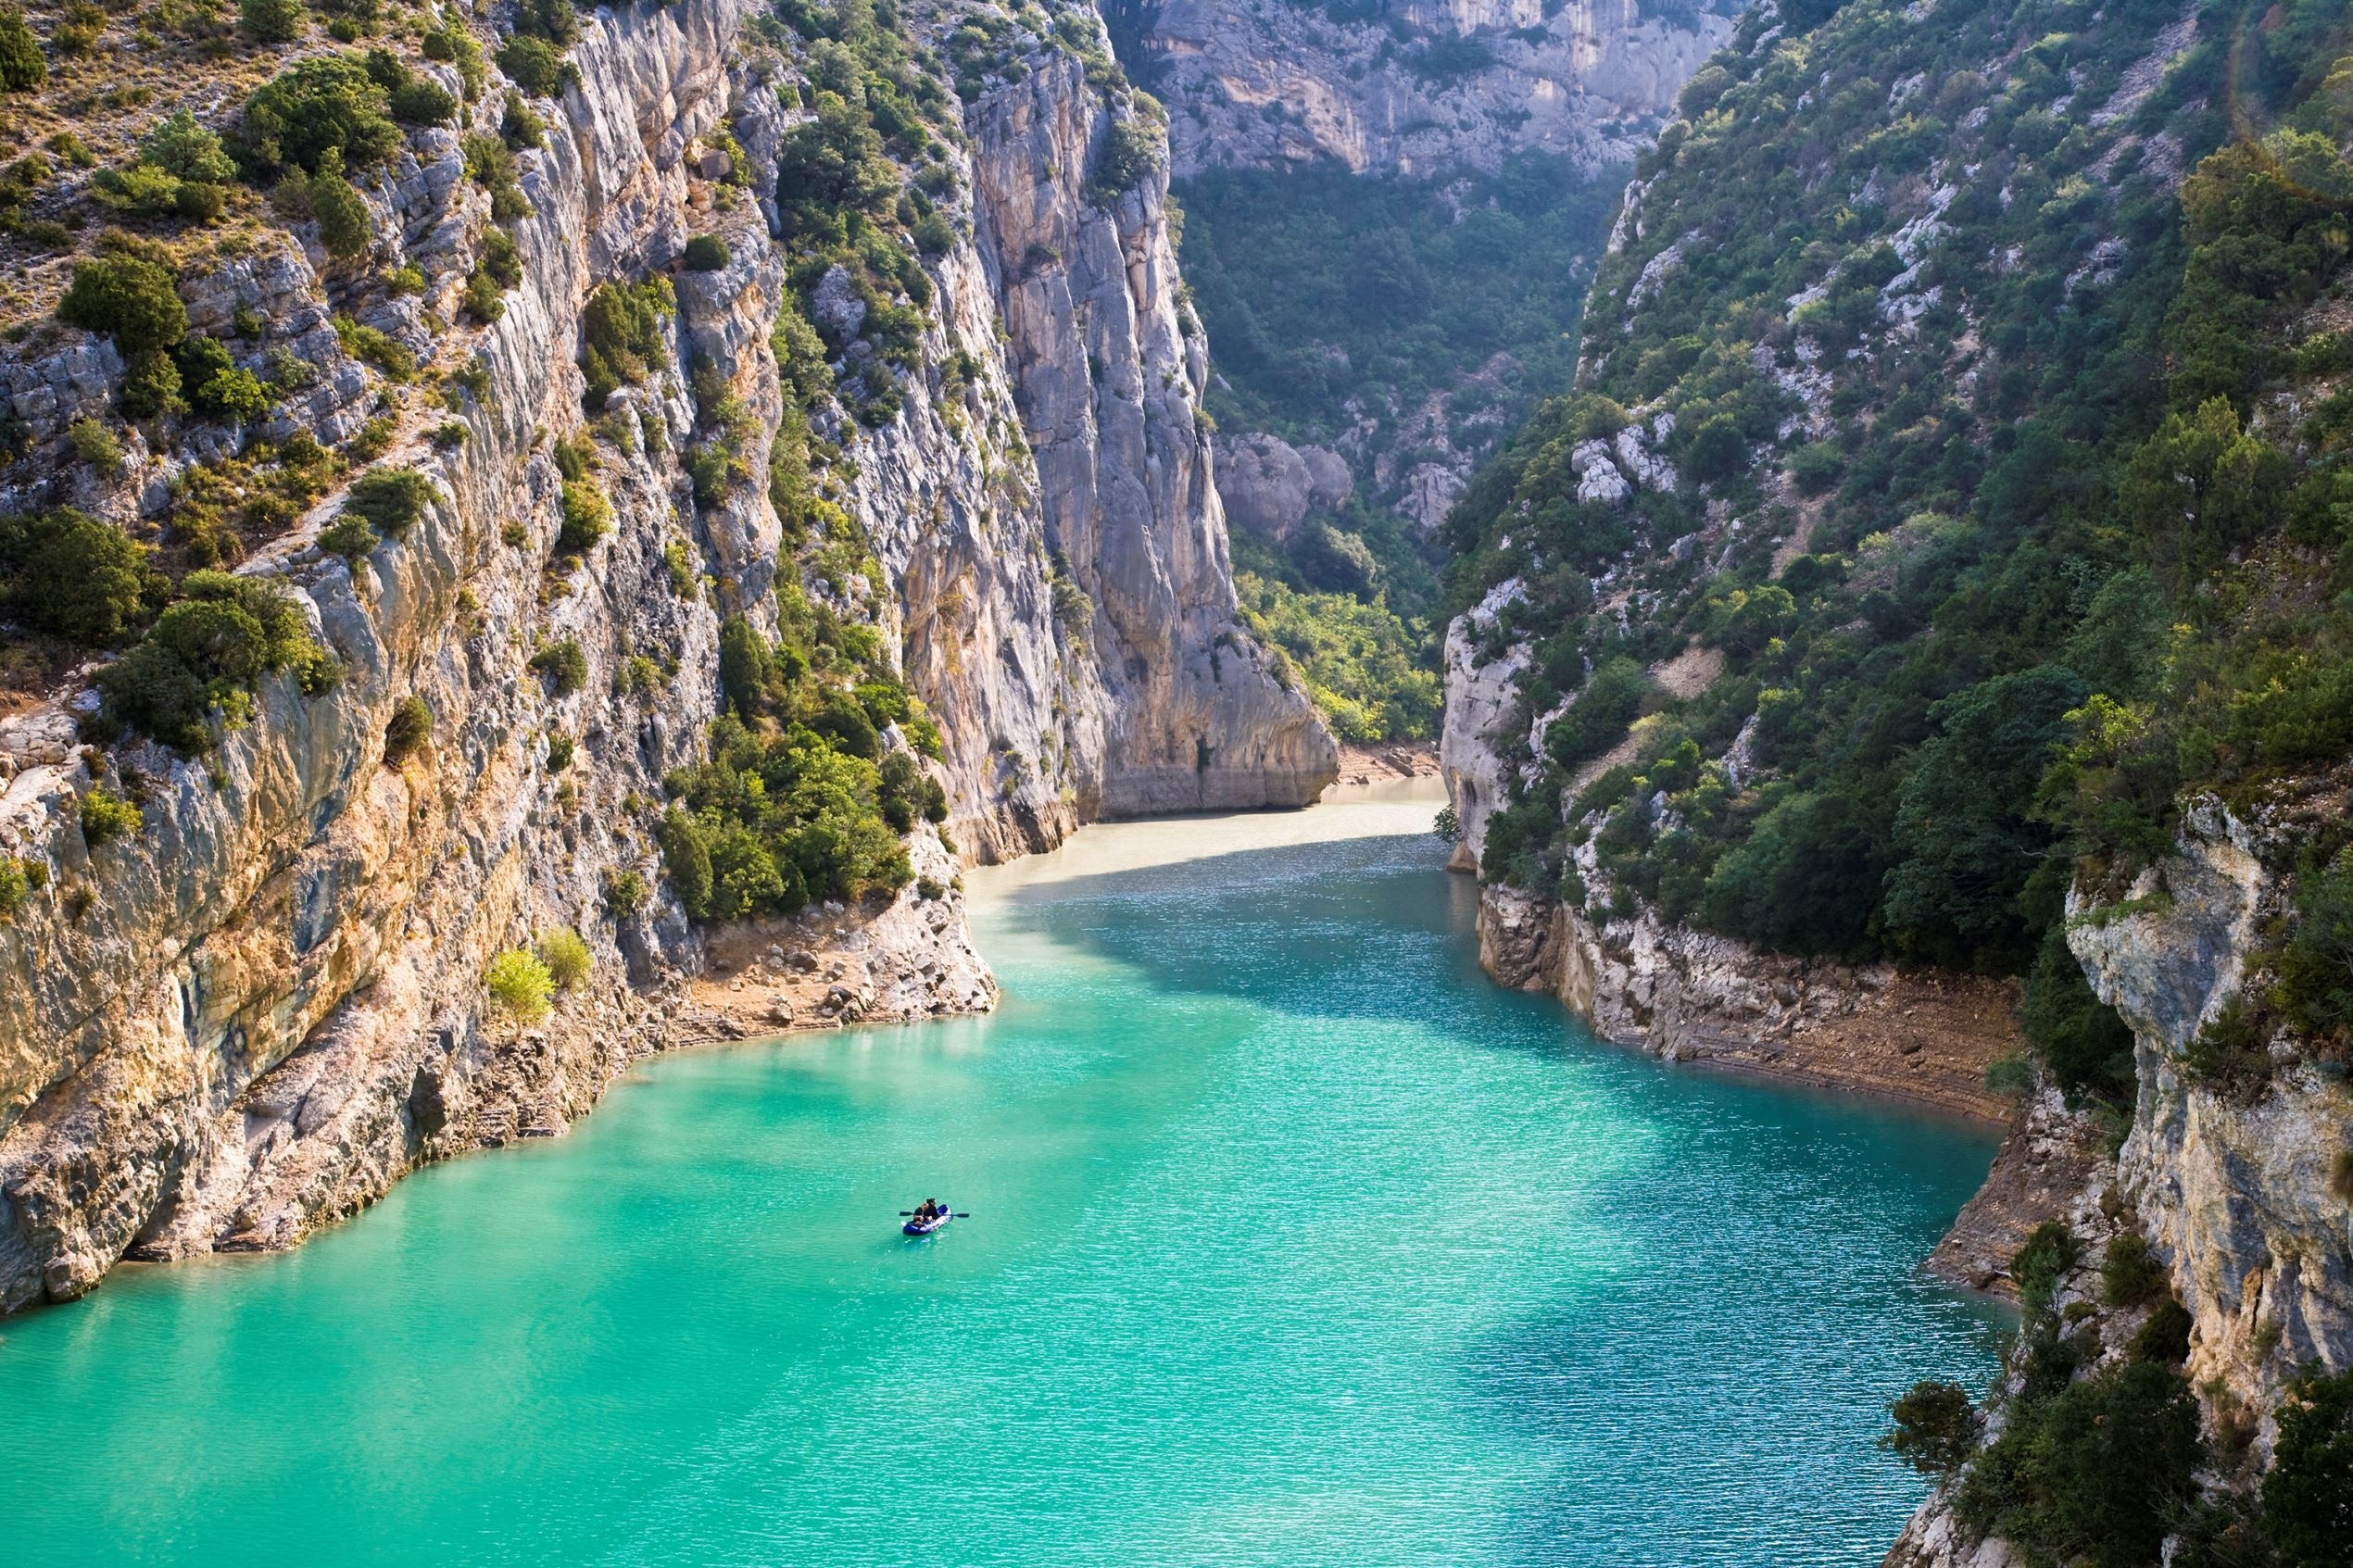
(1294, 1240)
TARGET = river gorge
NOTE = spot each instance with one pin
(1292, 1240)
(1586, 767)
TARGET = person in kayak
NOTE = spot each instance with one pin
(927, 1210)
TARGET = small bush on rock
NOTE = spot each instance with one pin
(519, 983)
(534, 65)
(392, 499)
(105, 815)
(564, 665)
(567, 958)
(1936, 1428)
(587, 516)
(271, 21)
(19, 879)
(706, 253)
(408, 730)
(2131, 1274)
(2307, 1495)
(133, 300)
(625, 893)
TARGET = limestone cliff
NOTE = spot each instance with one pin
(1417, 88)
(264, 1003)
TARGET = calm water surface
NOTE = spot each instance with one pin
(1295, 1242)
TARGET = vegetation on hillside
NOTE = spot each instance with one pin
(1417, 318)
(2007, 488)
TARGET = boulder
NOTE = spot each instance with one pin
(1266, 485)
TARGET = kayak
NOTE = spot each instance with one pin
(925, 1227)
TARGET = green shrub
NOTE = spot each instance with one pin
(2307, 1495)
(563, 664)
(1131, 153)
(2080, 1038)
(271, 21)
(408, 730)
(685, 859)
(75, 576)
(96, 445)
(1613, 696)
(346, 226)
(151, 385)
(2091, 1475)
(519, 126)
(134, 301)
(327, 104)
(105, 815)
(705, 253)
(551, 20)
(2165, 1337)
(2049, 1254)
(482, 297)
(421, 103)
(2131, 1272)
(347, 536)
(204, 654)
(2315, 967)
(625, 893)
(535, 65)
(19, 879)
(560, 749)
(378, 348)
(1936, 1428)
(587, 516)
(624, 333)
(23, 66)
(391, 500)
(567, 958)
(519, 983)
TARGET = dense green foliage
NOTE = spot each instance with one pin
(2307, 1495)
(75, 576)
(327, 104)
(204, 657)
(1935, 1428)
(2091, 1473)
(801, 798)
(1321, 288)
(625, 335)
(1363, 666)
(1992, 386)
(23, 66)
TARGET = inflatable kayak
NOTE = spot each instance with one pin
(925, 1227)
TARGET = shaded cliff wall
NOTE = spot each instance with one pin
(257, 1011)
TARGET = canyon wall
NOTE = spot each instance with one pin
(253, 1012)
(1417, 88)
(1744, 593)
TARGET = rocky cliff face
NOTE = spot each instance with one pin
(253, 1013)
(1419, 88)
(2240, 1192)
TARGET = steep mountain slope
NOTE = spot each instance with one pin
(676, 403)
(1937, 563)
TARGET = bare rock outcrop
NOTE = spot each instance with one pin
(1424, 89)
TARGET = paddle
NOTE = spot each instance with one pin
(960, 1214)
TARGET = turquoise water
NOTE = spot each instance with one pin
(1294, 1242)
